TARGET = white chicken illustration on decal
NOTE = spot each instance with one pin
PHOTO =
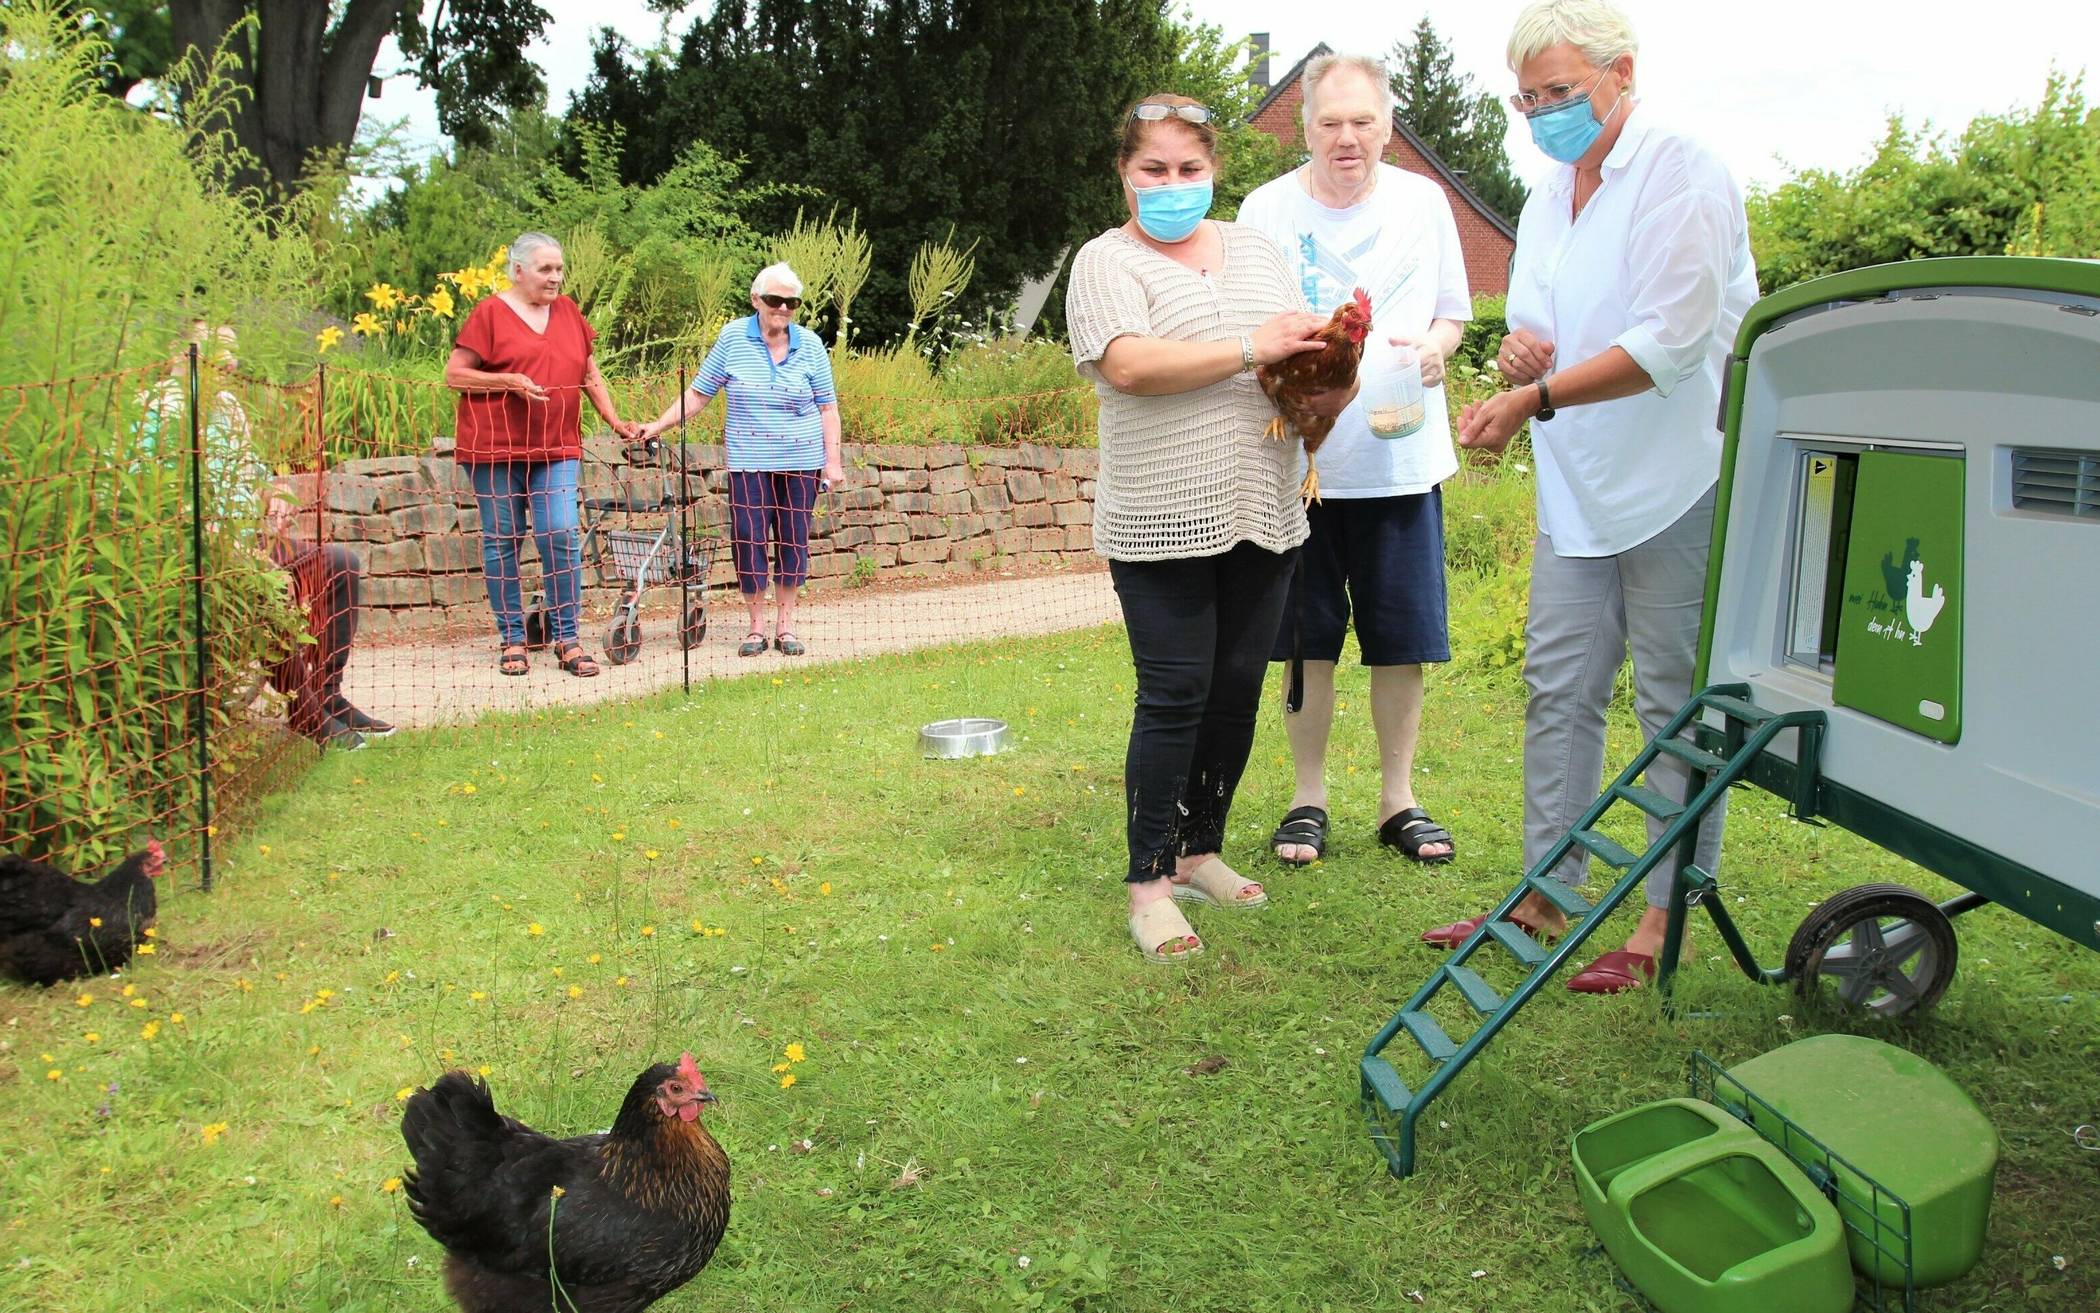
(1920, 608)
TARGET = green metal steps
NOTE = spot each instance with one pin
(1391, 1107)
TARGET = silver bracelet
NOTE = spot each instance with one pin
(1246, 353)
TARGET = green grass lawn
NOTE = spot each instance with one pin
(1000, 1105)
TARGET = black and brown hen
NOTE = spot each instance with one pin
(626, 1216)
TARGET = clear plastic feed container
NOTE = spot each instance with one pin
(1392, 390)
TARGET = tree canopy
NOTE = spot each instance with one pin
(304, 69)
(996, 120)
(1462, 124)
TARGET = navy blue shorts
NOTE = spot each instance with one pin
(1385, 555)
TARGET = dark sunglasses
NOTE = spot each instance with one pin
(1186, 113)
(781, 302)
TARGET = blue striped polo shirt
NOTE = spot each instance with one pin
(773, 421)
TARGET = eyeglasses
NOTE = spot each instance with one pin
(1557, 94)
(781, 302)
(1186, 113)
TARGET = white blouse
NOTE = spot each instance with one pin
(1658, 263)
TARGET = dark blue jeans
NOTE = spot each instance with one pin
(507, 491)
(770, 509)
(1200, 632)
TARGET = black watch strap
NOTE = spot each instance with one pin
(1545, 410)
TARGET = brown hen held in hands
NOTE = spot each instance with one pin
(1291, 380)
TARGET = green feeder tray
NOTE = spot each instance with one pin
(1703, 1216)
(1918, 1157)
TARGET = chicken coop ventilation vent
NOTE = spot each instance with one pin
(2058, 482)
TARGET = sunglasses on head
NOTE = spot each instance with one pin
(781, 302)
(1186, 113)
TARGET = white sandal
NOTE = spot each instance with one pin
(1160, 922)
(1219, 885)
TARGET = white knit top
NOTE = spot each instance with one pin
(1188, 474)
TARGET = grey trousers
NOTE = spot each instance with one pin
(1585, 611)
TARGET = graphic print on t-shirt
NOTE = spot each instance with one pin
(1329, 277)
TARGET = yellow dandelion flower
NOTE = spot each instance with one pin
(328, 339)
(147, 950)
(175, 1018)
(535, 929)
(95, 921)
(85, 1000)
(557, 1192)
(149, 1030)
(699, 929)
(138, 1002)
(649, 854)
(244, 986)
(621, 982)
(779, 1067)
(477, 996)
(825, 888)
(308, 1006)
(468, 789)
(648, 930)
(401, 1095)
(1019, 790)
(335, 1201)
(263, 848)
(54, 1074)
(787, 1080)
(795, 1053)
(151, 933)
(673, 823)
(575, 991)
(485, 1070)
(129, 990)
(323, 994)
(594, 959)
(618, 835)
(391, 977)
(557, 973)
(939, 948)
(93, 1037)
(211, 1131)
(390, 1184)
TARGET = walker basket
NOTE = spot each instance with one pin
(638, 556)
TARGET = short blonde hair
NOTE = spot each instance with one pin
(1598, 28)
(780, 274)
(1320, 68)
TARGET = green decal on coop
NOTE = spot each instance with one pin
(1899, 631)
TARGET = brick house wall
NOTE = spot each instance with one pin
(1487, 238)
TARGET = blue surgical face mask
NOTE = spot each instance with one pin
(1171, 213)
(1567, 130)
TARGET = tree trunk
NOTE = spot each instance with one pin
(304, 84)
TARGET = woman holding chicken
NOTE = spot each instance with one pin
(1196, 511)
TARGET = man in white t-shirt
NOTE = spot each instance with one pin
(1347, 220)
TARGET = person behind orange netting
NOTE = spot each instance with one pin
(522, 364)
(781, 433)
(241, 495)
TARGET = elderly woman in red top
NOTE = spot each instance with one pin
(521, 364)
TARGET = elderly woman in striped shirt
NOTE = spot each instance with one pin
(781, 434)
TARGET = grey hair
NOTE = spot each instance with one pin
(1318, 69)
(1597, 28)
(780, 273)
(521, 250)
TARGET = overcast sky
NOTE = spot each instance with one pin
(1771, 83)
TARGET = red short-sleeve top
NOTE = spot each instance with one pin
(494, 427)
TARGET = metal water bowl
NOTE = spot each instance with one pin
(972, 736)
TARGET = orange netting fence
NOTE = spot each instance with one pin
(210, 576)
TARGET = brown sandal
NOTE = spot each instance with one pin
(512, 660)
(572, 658)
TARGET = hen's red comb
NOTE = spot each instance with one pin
(688, 1070)
(1363, 302)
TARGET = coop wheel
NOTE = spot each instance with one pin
(1888, 950)
(623, 642)
(536, 627)
(695, 627)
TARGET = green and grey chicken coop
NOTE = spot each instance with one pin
(1901, 632)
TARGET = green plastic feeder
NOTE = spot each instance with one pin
(1900, 1122)
(1703, 1216)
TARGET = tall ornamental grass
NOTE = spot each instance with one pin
(116, 231)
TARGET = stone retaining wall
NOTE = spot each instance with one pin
(903, 511)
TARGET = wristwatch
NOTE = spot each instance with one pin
(1545, 410)
(1246, 353)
